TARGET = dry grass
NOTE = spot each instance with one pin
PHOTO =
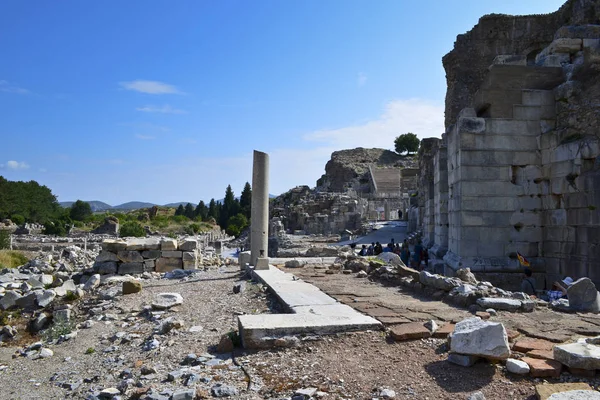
(12, 258)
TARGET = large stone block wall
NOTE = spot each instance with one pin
(136, 256)
(440, 199)
(523, 165)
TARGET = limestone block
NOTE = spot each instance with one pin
(149, 265)
(487, 173)
(510, 59)
(168, 264)
(565, 45)
(506, 142)
(527, 113)
(526, 218)
(531, 97)
(190, 264)
(168, 244)
(105, 256)
(475, 188)
(114, 245)
(512, 127)
(189, 256)
(463, 360)
(473, 336)
(171, 254)
(583, 296)
(131, 268)
(188, 245)
(151, 254)
(517, 367)
(553, 60)
(244, 258)
(578, 355)
(143, 244)
(130, 256)
(107, 268)
(262, 263)
(498, 303)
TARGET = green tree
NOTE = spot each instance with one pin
(80, 211)
(246, 200)
(213, 209)
(189, 211)
(34, 202)
(201, 211)
(409, 143)
(229, 208)
(236, 224)
(180, 210)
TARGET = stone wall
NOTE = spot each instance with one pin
(136, 256)
(519, 165)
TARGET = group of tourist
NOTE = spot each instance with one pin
(418, 259)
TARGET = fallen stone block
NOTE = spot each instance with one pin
(163, 301)
(130, 287)
(543, 368)
(578, 355)
(583, 296)
(499, 303)
(480, 338)
(444, 331)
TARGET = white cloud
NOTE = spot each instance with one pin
(421, 117)
(15, 165)
(362, 79)
(150, 87)
(6, 87)
(166, 109)
(144, 137)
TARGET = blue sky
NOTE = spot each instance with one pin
(164, 101)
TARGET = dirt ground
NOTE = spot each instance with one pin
(343, 366)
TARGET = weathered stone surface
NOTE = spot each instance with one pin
(171, 254)
(439, 281)
(130, 287)
(163, 301)
(44, 298)
(66, 287)
(188, 245)
(542, 354)
(444, 331)
(9, 300)
(105, 256)
(107, 268)
(517, 366)
(168, 244)
(481, 338)
(114, 245)
(151, 254)
(139, 244)
(168, 264)
(188, 256)
(92, 283)
(543, 368)
(576, 395)
(583, 296)
(27, 301)
(499, 303)
(465, 275)
(410, 331)
(545, 390)
(293, 264)
(130, 256)
(131, 268)
(578, 355)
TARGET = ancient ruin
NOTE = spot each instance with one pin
(518, 168)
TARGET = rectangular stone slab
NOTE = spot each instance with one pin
(544, 391)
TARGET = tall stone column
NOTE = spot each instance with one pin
(259, 228)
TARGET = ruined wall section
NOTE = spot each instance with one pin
(440, 198)
(466, 65)
(426, 190)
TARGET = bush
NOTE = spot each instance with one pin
(180, 219)
(17, 219)
(132, 229)
(192, 229)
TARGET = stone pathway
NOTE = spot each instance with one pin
(395, 305)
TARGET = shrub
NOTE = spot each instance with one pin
(58, 329)
(133, 229)
(180, 219)
(17, 219)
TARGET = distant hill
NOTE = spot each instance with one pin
(94, 204)
(134, 205)
(98, 206)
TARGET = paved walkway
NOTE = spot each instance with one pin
(394, 305)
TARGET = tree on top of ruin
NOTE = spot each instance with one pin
(409, 143)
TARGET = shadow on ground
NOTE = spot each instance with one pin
(457, 379)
